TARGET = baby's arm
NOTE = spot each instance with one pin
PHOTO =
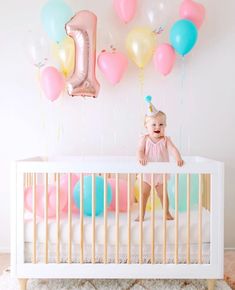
(175, 152)
(141, 151)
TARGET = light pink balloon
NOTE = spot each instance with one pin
(82, 28)
(122, 195)
(113, 65)
(64, 189)
(192, 11)
(40, 195)
(52, 82)
(125, 9)
(164, 58)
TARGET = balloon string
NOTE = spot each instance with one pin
(182, 80)
(141, 80)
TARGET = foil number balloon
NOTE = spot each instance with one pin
(82, 28)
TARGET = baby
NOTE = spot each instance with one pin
(155, 147)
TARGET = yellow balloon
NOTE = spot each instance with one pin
(140, 44)
(64, 53)
(148, 205)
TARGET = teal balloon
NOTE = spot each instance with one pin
(87, 195)
(182, 192)
(183, 36)
(54, 15)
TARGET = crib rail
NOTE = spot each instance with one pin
(32, 173)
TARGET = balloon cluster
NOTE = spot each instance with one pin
(87, 196)
(74, 44)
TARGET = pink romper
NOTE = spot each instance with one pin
(155, 152)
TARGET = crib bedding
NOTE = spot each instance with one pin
(123, 229)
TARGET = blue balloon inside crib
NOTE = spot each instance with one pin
(87, 195)
(182, 192)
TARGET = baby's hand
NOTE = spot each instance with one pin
(143, 160)
(180, 162)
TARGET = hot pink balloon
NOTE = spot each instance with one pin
(113, 65)
(122, 195)
(192, 11)
(164, 58)
(125, 9)
(52, 83)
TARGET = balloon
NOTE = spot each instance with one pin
(40, 196)
(122, 195)
(140, 45)
(192, 11)
(125, 9)
(37, 48)
(148, 205)
(82, 28)
(54, 15)
(164, 58)
(64, 53)
(87, 195)
(64, 189)
(52, 82)
(183, 36)
(113, 65)
(182, 192)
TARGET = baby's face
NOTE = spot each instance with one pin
(156, 126)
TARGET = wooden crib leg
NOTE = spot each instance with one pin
(23, 283)
(211, 284)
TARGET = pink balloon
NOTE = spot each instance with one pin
(164, 58)
(82, 28)
(113, 65)
(192, 11)
(52, 83)
(64, 190)
(125, 9)
(40, 195)
(122, 195)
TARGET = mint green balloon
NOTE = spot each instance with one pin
(182, 192)
(54, 15)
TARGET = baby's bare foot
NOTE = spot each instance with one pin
(169, 216)
(138, 219)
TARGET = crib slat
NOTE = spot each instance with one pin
(105, 218)
(200, 220)
(57, 218)
(141, 220)
(117, 219)
(188, 218)
(164, 219)
(93, 218)
(46, 218)
(69, 220)
(176, 216)
(81, 219)
(34, 219)
(152, 220)
(128, 218)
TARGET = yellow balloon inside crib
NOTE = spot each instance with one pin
(157, 203)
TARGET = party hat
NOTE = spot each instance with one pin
(151, 110)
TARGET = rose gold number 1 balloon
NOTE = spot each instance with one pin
(82, 28)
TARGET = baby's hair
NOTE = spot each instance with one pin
(159, 113)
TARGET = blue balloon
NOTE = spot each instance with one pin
(182, 192)
(183, 36)
(87, 195)
(54, 15)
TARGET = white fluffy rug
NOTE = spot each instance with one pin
(8, 283)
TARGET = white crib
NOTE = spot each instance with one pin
(114, 245)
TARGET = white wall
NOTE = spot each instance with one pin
(111, 124)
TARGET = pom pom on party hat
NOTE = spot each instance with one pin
(151, 110)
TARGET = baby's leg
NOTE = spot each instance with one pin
(159, 189)
(146, 191)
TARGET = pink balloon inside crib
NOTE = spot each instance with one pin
(122, 195)
(64, 189)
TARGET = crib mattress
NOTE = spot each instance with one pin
(123, 229)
